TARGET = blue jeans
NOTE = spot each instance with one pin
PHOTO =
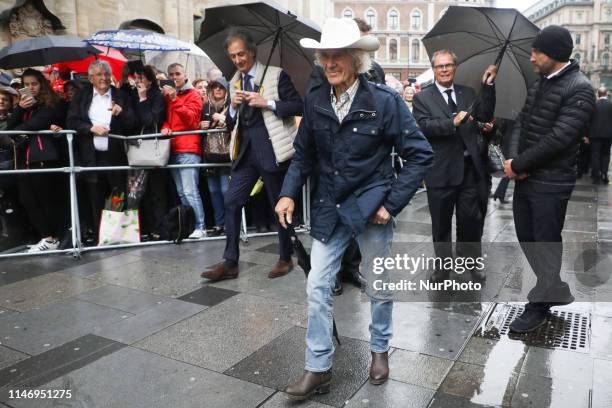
(186, 181)
(218, 184)
(374, 242)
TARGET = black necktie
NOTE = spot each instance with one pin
(246, 83)
(451, 103)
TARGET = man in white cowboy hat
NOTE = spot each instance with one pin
(349, 128)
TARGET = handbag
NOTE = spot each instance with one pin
(217, 147)
(119, 227)
(148, 152)
(495, 159)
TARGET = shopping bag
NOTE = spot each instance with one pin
(119, 227)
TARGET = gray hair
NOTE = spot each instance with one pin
(361, 60)
(444, 52)
(214, 74)
(602, 91)
(99, 64)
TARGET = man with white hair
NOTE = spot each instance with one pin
(97, 110)
(344, 141)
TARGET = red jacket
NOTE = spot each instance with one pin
(184, 114)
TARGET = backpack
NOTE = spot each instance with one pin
(178, 223)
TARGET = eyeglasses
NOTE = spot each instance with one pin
(444, 67)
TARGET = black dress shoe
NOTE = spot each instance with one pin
(533, 317)
(308, 384)
(350, 277)
(337, 289)
(605, 180)
(439, 275)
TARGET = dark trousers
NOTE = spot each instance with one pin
(351, 259)
(539, 214)
(243, 178)
(45, 199)
(466, 200)
(155, 201)
(584, 158)
(502, 187)
(600, 157)
(100, 187)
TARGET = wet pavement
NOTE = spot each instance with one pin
(139, 328)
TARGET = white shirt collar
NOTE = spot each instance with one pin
(108, 93)
(442, 88)
(252, 71)
(554, 74)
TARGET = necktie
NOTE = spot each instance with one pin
(246, 83)
(451, 103)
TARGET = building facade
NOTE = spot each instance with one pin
(400, 25)
(590, 23)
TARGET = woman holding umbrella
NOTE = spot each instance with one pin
(40, 194)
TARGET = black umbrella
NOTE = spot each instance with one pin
(276, 32)
(45, 50)
(303, 259)
(482, 36)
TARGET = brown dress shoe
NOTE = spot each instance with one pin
(379, 371)
(281, 269)
(308, 384)
(220, 272)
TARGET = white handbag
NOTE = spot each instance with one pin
(148, 152)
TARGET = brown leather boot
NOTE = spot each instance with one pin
(220, 272)
(379, 370)
(281, 269)
(308, 384)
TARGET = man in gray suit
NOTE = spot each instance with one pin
(458, 176)
(600, 137)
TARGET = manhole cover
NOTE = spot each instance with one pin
(564, 329)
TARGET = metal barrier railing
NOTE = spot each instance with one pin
(72, 170)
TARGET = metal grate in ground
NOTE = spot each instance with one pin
(564, 329)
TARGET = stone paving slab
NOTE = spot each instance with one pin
(559, 364)
(144, 380)
(442, 400)
(15, 270)
(418, 369)
(110, 262)
(390, 395)
(9, 357)
(602, 378)
(535, 391)
(208, 295)
(281, 362)
(37, 331)
(281, 400)
(224, 334)
(43, 290)
(151, 321)
(120, 298)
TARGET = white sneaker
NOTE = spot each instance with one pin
(197, 234)
(44, 245)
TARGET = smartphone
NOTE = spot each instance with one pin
(168, 82)
(24, 92)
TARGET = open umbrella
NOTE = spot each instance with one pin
(276, 32)
(45, 50)
(137, 40)
(303, 259)
(482, 36)
(114, 57)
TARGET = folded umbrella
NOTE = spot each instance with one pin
(138, 40)
(483, 36)
(303, 259)
(45, 50)
(275, 30)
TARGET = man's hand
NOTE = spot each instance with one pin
(237, 98)
(166, 131)
(256, 100)
(218, 118)
(459, 118)
(382, 216)
(489, 75)
(510, 173)
(115, 109)
(27, 102)
(205, 124)
(284, 208)
(55, 128)
(586, 140)
(99, 130)
(169, 91)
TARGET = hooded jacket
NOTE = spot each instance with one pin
(184, 113)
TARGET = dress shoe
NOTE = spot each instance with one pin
(605, 180)
(439, 275)
(379, 370)
(308, 384)
(478, 274)
(281, 269)
(533, 317)
(221, 271)
(337, 289)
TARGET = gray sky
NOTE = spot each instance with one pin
(517, 4)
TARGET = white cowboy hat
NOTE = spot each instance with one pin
(341, 33)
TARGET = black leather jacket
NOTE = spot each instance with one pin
(547, 133)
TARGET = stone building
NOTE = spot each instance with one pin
(399, 26)
(590, 23)
(180, 18)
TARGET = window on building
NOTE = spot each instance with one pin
(416, 19)
(579, 16)
(347, 13)
(393, 20)
(577, 57)
(416, 50)
(393, 50)
(605, 60)
(370, 17)
(607, 38)
(578, 39)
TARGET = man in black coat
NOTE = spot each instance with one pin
(600, 136)
(97, 110)
(458, 175)
(543, 150)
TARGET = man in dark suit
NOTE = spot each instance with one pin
(262, 117)
(600, 136)
(456, 179)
